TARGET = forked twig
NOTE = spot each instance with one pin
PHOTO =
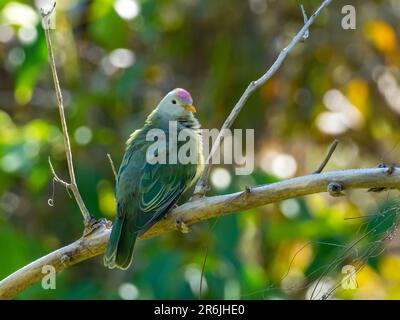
(88, 221)
(307, 33)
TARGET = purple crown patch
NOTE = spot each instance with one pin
(184, 95)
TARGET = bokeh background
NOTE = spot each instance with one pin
(116, 59)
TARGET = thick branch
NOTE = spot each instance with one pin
(203, 209)
(202, 184)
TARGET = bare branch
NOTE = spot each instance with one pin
(199, 210)
(112, 166)
(56, 178)
(328, 156)
(202, 184)
(88, 221)
(59, 97)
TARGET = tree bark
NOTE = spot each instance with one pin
(94, 244)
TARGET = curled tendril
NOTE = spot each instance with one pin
(50, 201)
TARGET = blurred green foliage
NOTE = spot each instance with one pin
(116, 59)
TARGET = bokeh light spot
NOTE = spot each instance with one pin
(128, 291)
(220, 178)
(127, 9)
(83, 135)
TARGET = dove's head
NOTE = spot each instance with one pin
(177, 103)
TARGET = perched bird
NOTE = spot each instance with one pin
(146, 191)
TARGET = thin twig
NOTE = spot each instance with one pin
(112, 166)
(307, 33)
(56, 178)
(72, 185)
(328, 156)
(46, 14)
(362, 217)
(203, 268)
(200, 210)
(202, 184)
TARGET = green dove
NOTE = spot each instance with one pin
(147, 189)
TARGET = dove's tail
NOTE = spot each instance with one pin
(119, 251)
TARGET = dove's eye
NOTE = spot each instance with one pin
(174, 101)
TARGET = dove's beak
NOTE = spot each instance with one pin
(190, 108)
